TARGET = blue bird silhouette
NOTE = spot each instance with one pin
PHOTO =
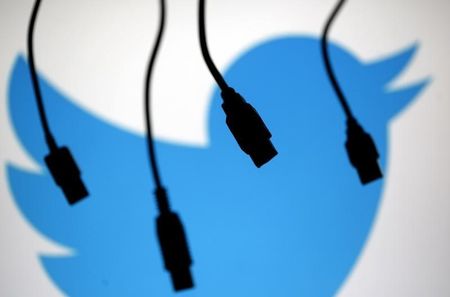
(292, 228)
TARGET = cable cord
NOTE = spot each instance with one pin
(328, 67)
(51, 143)
(204, 47)
(148, 79)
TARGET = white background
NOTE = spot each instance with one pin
(96, 51)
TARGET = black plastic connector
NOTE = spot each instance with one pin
(248, 128)
(66, 174)
(173, 244)
(362, 153)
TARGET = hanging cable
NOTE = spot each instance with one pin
(171, 236)
(326, 58)
(361, 149)
(51, 143)
(204, 47)
(244, 122)
(147, 90)
(60, 162)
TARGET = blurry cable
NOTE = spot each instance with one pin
(60, 161)
(360, 146)
(170, 232)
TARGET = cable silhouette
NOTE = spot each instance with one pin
(60, 161)
(51, 143)
(360, 146)
(244, 122)
(147, 96)
(205, 51)
(170, 231)
(326, 58)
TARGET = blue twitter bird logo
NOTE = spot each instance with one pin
(293, 228)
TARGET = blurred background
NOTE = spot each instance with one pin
(96, 52)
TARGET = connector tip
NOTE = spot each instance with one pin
(182, 279)
(75, 191)
(264, 153)
(369, 172)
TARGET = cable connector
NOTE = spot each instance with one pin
(248, 128)
(173, 244)
(66, 174)
(362, 153)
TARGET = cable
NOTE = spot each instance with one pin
(51, 143)
(150, 142)
(59, 161)
(328, 67)
(244, 122)
(204, 47)
(170, 232)
(361, 148)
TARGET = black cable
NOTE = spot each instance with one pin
(244, 122)
(328, 67)
(51, 143)
(150, 143)
(361, 148)
(204, 47)
(59, 161)
(169, 228)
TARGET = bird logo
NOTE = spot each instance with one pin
(295, 227)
